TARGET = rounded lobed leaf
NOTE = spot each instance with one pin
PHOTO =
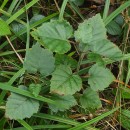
(90, 100)
(84, 32)
(65, 60)
(55, 35)
(39, 59)
(100, 77)
(106, 48)
(20, 107)
(65, 102)
(91, 30)
(64, 82)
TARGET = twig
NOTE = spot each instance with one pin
(57, 5)
(14, 49)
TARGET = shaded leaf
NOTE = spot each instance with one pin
(20, 107)
(93, 57)
(119, 19)
(65, 102)
(78, 2)
(17, 27)
(114, 28)
(90, 100)
(55, 35)
(100, 77)
(65, 60)
(36, 18)
(64, 81)
(39, 59)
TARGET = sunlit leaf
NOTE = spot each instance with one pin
(4, 28)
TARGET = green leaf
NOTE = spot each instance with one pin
(17, 27)
(124, 117)
(65, 101)
(65, 60)
(39, 59)
(36, 18)
(84, 32)
(100, 77)
(114, 28)
(119, 19)
(35, 89)
(107, 49)
(78, 2)
(99, 30)
(20, 107)
(55, 35)
(91, 30)
(93, 57)
(64, 81)
(90, 100)
(125, 92)
(4, 28)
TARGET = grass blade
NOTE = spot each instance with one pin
(12, 6)
(116, 12)
(62, 120)
(56, 118)
(16, 75)
(4, 4)
(31, 27)
(7, 87)
(106, 9)
(41, 127)
(21, 11)
(76, 10)
(62, 9)
(25, 124)
(83, 125)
